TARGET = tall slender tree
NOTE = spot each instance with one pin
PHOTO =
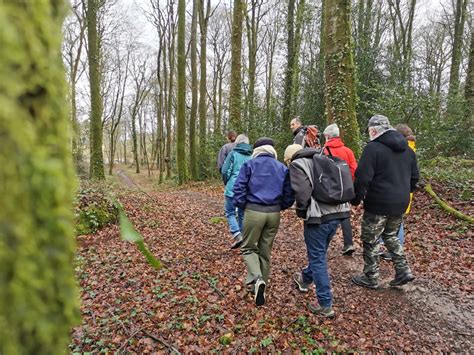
(194, 93)
(339, 71)
(96, 156)
(235, 94)
(39, 300)
(181, 104)
(458, 37)
(204, 14)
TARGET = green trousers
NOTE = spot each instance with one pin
(259, 231)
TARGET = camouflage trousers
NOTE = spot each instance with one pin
(376, 226)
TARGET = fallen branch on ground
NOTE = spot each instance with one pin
(158, 339)
(444, 205)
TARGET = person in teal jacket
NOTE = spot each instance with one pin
(230, 170)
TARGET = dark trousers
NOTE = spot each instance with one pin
(347, 231)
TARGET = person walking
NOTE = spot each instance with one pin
(387, 173)
(230, 170)
(262, 189)
(226, 149)
(406, 131)
(320, 224)
(335, 146)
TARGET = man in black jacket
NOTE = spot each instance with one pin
(386, 174)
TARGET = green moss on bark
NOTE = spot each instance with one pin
(38, 293)
(339, 71)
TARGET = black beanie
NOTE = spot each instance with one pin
(263, 141)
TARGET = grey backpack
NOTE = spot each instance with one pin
(332, 179)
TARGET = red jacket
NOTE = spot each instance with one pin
(338, 149)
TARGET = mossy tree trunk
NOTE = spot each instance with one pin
(235, 94)
(181, 104)
(459, 19)
(38, 293)
(204, 14)
(339, 71)
(194, 94)
(96, 158)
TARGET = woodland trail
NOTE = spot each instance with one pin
(197, 302)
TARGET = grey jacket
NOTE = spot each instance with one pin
(223, 152)
(311, 210)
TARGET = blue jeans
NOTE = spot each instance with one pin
(317, 238)
(234, 215)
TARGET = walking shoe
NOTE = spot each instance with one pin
(259, 292)
(386, 256)
(364, 281)
(318, 310)
(402, 279)
(238, 240)
(298, 279)
(348, 250)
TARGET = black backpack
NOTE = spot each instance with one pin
(332, 179)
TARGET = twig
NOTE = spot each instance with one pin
(129, 338)
(169, 346)
(291, 323)
(216, 289)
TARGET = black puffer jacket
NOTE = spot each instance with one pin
(387, 173)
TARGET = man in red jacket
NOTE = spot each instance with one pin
(335, 146)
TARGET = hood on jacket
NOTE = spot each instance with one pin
(305, 153)
(335, 142)
(394, 140)
(296, 131)
(243, 148)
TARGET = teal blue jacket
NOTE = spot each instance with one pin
(232, 164)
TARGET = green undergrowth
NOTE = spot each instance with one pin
(94, 208)
(453, 172)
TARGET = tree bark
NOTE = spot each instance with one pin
(459, 19)
(235, 94)
(194, 94)
(204, 12)
(96, 158)
(339, 71)
(181, 104)
(39, 299)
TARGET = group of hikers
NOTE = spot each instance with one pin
(258, 187)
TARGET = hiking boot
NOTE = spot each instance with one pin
(238, 240)
(402, 279)
(320, 311)
(259, 292)
(364, 281)
(298, 279)
(386, 256)
(348, 250)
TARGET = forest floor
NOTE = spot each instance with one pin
(197, 302)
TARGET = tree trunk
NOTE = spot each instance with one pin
(290, 27)
(235, 94)
(459, 19)
(171, 60)
(38, 291)
(204, 12)
(181, 105)
(194, 94)
(469, 88)
(135, 143)
(96, 158)
(339, 71)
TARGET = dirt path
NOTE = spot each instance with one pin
(197, 303)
